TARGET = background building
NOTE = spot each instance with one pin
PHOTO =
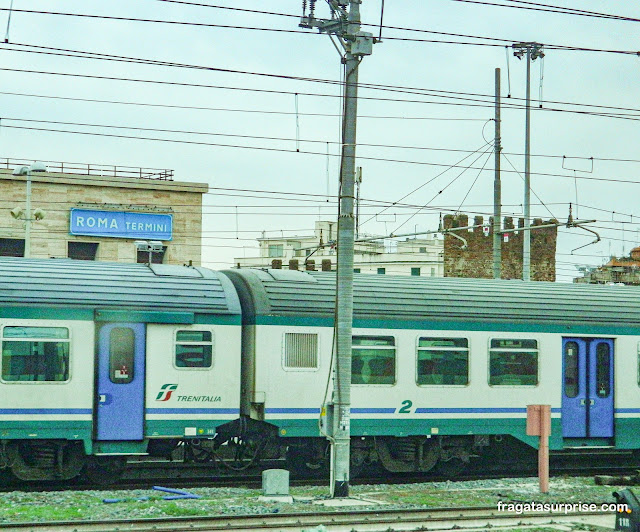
(417, 256)
(624, 270)
(463, 253)
(96, 212)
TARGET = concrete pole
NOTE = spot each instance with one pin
(526, 237)
(27, 227)
(497, 191)
(340, 452)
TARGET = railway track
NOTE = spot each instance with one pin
(376, 520)
(255, 481)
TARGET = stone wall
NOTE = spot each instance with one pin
(476, 260)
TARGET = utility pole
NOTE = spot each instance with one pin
(497, 190)
(532, 50)
(38, 214)
(356, 44)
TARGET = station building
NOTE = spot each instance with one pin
(94, 212)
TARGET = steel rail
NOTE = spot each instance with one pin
(378, 519)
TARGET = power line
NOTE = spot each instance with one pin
(471, 97)
(533, 6)
(325, 95)
(215, 134)
(228, 109)
(290, 113)
(323, 154)
(494, 40)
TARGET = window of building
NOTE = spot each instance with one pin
(122, 351)
(157, 257)
(11, 247)
(373, 360)
(194, 349)
(443, 361)
(35, 354)
(513, 362)
(300, 351)
(276, 250)
(356, 270)
(423, 250)
(82, 250)
(415, 271)
(382, 270)
(433, 272)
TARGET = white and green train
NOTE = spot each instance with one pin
(102, 361)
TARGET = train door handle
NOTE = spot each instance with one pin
(104, 399)
(583, 402)
(592, 402)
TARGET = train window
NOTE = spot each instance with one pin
(122, 350)
(373, 360)
(194, 349)
(571, 369)
(603, 370)
(443, 361)
(300, 351)
(35, 354)
(513, 362)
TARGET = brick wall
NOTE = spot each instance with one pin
(476, 260)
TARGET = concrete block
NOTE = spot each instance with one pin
(275, 483)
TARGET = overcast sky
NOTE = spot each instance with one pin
(417, 138)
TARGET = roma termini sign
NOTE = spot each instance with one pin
(121, 224)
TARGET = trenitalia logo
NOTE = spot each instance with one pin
(165, 392)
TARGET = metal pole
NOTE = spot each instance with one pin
(344, 313)
(27, 227)
(497, 192)
(526, 237)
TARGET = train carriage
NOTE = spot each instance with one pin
(104, 360)
(442, 365)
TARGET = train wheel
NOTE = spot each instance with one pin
(105, 470)
(305, 464)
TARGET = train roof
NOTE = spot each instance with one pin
(413, 301)
(115, 291)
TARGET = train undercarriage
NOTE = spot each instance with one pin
(245, 445)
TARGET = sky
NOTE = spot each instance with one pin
(249, 103)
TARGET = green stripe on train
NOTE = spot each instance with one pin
(464, 325)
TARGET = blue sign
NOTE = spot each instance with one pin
(118, 224)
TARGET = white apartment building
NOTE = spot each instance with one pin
(415, 256)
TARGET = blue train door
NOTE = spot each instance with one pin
(121, 376)
(587, 395)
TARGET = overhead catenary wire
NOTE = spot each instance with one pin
(483, 39)
(285, 150)
(607, 111)
(533, 6)
(458, 95)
